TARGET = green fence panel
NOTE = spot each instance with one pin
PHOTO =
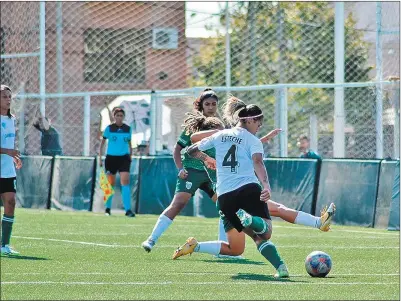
(352, 186)
(158, 177)
(117, 204)
(292, 182)
(33, 182)
(394, 222)
(384, 194)
(72, 183)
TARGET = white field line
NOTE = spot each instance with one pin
(192, 283)
(183, 273)
(175, 246)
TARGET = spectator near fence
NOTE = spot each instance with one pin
(50, 141)
(304, 146)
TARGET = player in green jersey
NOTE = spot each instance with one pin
(191, 173)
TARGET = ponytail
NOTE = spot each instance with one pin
(231, 106)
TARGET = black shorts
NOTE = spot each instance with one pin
(114, 164)
(246, 197)
(8, 185)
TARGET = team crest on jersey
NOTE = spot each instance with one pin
(188, 185)
(3, 124)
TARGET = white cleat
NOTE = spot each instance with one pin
(148, 245)
(7, 250)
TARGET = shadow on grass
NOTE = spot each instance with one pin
(20, 257)
(236, 261)
(261, 277)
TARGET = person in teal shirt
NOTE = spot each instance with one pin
(304, 146)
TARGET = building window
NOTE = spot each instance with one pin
(115, 55)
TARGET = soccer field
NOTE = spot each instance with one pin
(82, 255)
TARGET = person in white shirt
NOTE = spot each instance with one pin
(241, 199)
(9, 157)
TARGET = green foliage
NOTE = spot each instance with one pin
(290, 42)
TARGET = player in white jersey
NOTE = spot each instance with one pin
(242, 201)
(275, 209)
(9, 157)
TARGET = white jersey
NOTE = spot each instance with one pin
(7, 141)
(234, 164)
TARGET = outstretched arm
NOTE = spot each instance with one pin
(270, 135)
(261, 173)
(194, 152)
(198, 136)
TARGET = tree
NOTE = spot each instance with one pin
(290, 42)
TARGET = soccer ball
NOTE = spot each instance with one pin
(318, 264)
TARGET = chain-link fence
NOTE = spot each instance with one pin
(121, 46)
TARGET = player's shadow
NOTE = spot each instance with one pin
(236, 261)
(21, 257)
(260, 277)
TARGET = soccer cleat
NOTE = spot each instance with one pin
(107, 212)
(129, 213)
(326, 217)
(187, 248)
(282, 272)
(148, 245)
(7, 250)
(244, 217)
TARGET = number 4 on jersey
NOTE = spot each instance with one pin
(230, 159)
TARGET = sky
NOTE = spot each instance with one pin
(205, 11)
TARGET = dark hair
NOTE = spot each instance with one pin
(232, 105)
(118, 110)
(249, 111)
(6, 88)
(207, 93)
(303, 137)
(196, 122)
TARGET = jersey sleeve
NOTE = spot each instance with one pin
(185, 139)
(106, 133)
(256, 147)
(208, 143)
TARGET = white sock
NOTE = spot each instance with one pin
(161, 226)
(222, 233)
(209, 247)
(307, 219)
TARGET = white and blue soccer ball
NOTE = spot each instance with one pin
(318, 264)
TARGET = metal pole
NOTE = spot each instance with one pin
(252, 37)
(42, 57)
(397, 121)
(283, 123)
(153, 114)
(59, 59)
(228, 50)
(276, 142)
(379, 77)
(339, 115)
(159, 123)
(313, 132)
(87, 129)
(21, 132)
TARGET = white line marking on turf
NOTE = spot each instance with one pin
(194, 283)
(184, 273)
(175, 246)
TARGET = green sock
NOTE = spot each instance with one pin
(259, 225)
(7, 226)
(269, 251)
